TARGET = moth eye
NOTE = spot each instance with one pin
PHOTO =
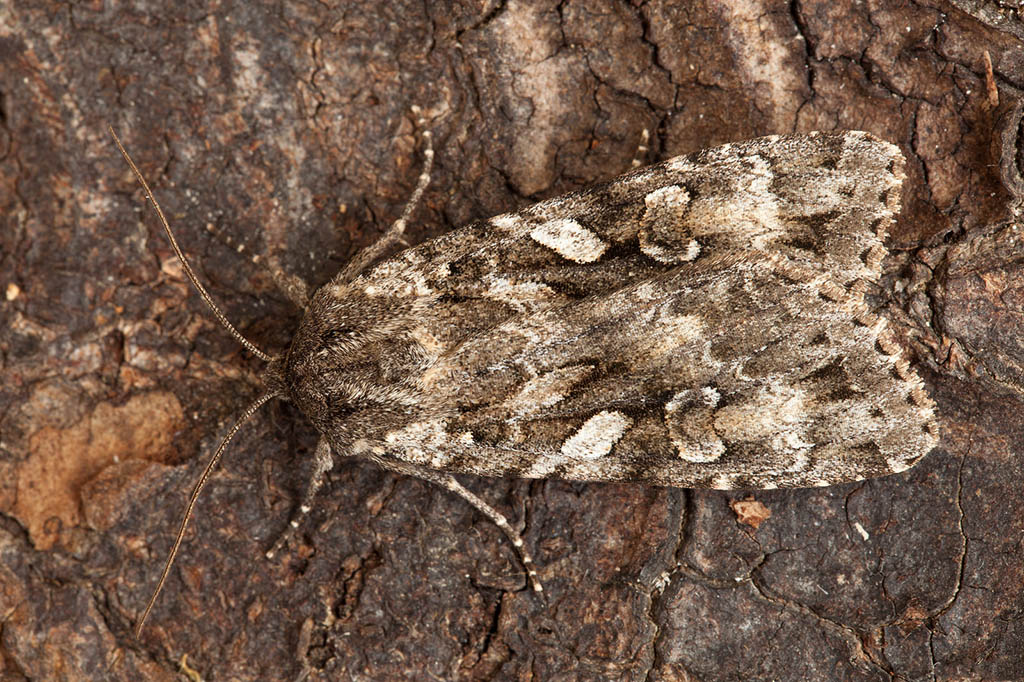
(340, 410)
(337, 335)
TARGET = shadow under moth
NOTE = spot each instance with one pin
(697, 323)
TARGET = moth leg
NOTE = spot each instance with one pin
(641, 150)
(448, 482)
(323, 461)
(294, 289)
(394, 233)
(290, 285)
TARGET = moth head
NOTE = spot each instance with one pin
(348, 346)
(340, 322)
(273, 377)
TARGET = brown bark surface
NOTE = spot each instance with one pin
(283, 130)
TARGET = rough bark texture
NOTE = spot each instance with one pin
(285, 128)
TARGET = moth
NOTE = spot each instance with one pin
(701, 322)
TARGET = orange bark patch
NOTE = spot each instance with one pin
(62, 461)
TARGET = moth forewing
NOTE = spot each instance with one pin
(699, 323)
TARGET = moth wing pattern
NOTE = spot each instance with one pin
(697, 323)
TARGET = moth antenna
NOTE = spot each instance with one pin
(184, 262)
(200, 484)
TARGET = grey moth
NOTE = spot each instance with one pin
(700, 322)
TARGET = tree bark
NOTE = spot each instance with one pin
(283, 130)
